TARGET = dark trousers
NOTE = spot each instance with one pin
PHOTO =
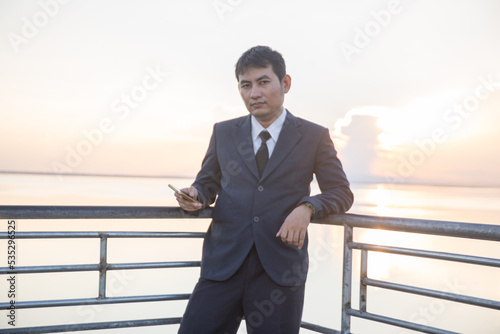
(268, 308)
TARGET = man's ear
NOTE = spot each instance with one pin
(287, 83)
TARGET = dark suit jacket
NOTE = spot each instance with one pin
(251, 210)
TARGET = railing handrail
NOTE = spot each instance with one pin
(413, 225)
(97, 212)
(348, 221)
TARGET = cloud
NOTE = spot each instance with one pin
(447, 138)
(359, 153)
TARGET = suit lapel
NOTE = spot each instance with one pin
(289, 137)
(242, 136)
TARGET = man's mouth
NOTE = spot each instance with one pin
(257, 104)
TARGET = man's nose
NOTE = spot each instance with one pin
(256, 92)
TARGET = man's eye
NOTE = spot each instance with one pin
(263, 82)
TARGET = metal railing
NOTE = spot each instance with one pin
(348, 221)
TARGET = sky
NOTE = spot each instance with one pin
(409, 89)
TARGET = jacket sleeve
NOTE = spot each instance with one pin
(336, 196)
(208, 180)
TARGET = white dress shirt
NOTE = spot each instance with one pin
(274, 130)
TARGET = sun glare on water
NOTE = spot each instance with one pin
(382, 265)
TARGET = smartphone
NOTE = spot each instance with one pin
(186, 196)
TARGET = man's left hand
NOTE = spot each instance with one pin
(293, 231)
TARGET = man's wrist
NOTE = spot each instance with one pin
(310, 206)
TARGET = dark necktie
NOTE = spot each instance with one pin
(262, 155)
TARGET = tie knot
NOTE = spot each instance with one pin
(264, 135)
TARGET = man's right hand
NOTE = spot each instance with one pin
(186, 204)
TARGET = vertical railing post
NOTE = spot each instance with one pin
(103, 263)
(362, 282)
(346, 281)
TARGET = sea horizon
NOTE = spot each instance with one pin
(374, 180)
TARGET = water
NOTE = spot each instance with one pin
(322, 305)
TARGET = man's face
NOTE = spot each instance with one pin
(263, 93)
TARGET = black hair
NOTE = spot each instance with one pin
(260, 57)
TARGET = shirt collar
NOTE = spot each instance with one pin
(274, 129)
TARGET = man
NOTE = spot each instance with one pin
(254, 261)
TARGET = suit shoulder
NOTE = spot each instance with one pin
(231, 122)
(310, 126)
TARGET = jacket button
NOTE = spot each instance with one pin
(256, 219)
(260, 188)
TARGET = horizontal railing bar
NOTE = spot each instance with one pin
(94, 301)
(423, 226)
(97, 212)
(84, 235)
(398, 323)
(434, 293)
(96, 267)
(153, 265)
(483, 261)
(434, 227)
(93, 326)
(49, 269)
(317, 328)
(136, 323)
